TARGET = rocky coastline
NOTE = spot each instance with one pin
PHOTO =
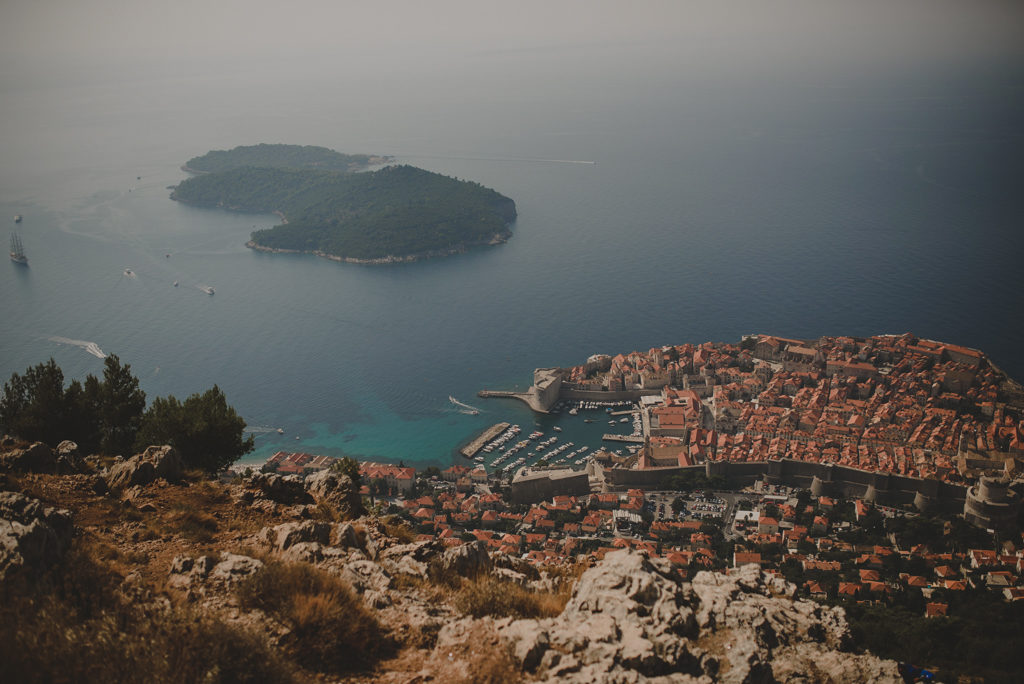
(496, 239)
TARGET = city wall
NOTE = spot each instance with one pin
(569, 392)
(822, 479)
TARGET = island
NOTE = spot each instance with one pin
(280, 156)
(392, 214)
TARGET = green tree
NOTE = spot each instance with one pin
(33, 405)
(121, 405)
(83, 421)
(346, 465)
(204, 429)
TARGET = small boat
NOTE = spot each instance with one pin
(128, 272)
(280, 431)
(17, 218)
(207, 289)
(175, 283)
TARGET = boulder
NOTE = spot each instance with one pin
(304, 552)
(166, 462)
(515, 564)
(365, 576)
(285, 535)
(33, 536)
(68, 459)
(233, 567)
(511, 576)
(285, 490)
(632, 618)
(141, 469)
(409, 559)
(35, 458)
(345, 536)
(187, 571)
(337, 490)
(465, 560)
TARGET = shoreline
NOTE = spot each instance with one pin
(496, 239)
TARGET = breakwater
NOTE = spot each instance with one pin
(471, 449)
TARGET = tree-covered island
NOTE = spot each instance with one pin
(280, 156)
(397, 213)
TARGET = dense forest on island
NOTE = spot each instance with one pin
(397, 211)
(279, 156)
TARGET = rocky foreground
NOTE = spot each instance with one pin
(368, 601)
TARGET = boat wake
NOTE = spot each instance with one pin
(464, 408)
(90, 347)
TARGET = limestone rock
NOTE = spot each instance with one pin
(633, 619)
(288, 534)
(506, 575)
(304, 552)
(141, 469)
(36, 458)
(409, 559)
(285, 490)
(68, 459)
(33, 536)
(516, 564)
(466, 560)
(233, 567)
(366, 576)
(345, 536)
(337, 490)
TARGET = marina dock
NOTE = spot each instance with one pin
(471, 449)
(632, 439)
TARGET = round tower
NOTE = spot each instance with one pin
(871, 494)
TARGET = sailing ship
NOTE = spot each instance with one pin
(17, 251)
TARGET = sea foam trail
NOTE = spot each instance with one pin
(464, 408)
(90, 347)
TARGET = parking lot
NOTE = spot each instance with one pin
(698, 505)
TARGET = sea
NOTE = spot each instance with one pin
(657, 205)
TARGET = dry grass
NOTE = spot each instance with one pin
(397, 528)
(74, 625)
(329, 627)
(193, 524)
(488, 595)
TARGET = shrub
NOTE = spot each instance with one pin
(490, 596)
(330, 629)
(72, 624)
(194, 525)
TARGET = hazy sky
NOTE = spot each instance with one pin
(70, 31)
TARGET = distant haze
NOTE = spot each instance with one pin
(793, 168)
(715, 35)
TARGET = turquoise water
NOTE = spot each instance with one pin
(825, 205)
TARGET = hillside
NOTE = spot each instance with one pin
(395, 213)
(109, 574)
(279, 156)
